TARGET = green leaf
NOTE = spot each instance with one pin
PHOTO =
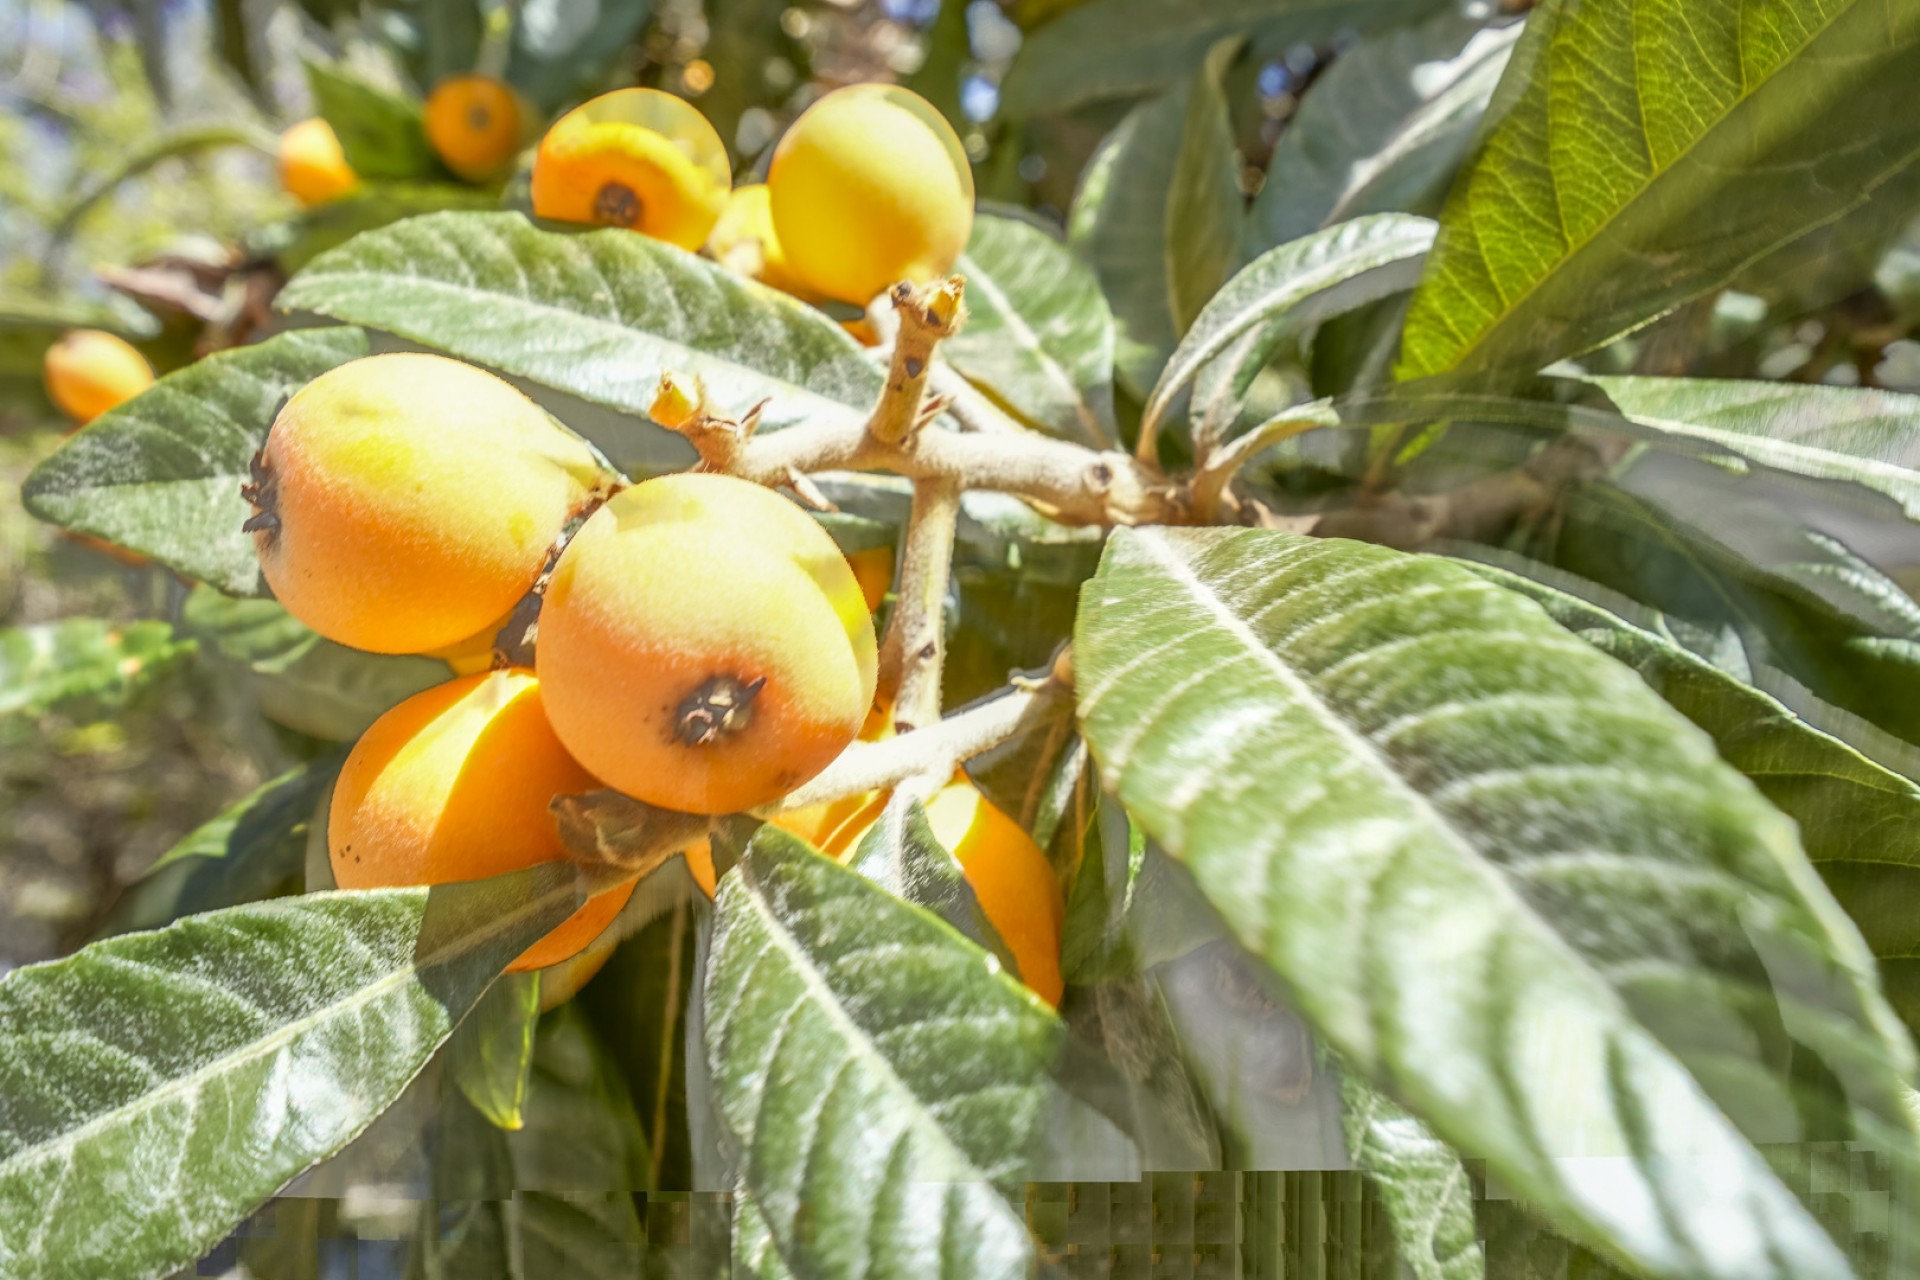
(161, 1085)
(1156, 216)
(1117, 48)
(1858, 434)
(561, 51)
(161, 474)
(381, 132)
(1131, 907)
(492, 1049)
(1039, 335)
(1501, 877)
(299, 240)
(1860, 822)
(1651, 151)
(1383, 129)
(600, 314)
(255, 846)
(104, 662)
(299, 679)
(755, 1255)
(1426, 1190)
(925, 1073)
(902, 855)
(1292, 288)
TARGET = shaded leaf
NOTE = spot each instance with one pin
(1039, 335)
(1204, 205)
(1450, 785)
(1648, 153)
(161, 474)
(299, 240)
(599, 314)
(382, 133)
(926, 1070)
(161, 1085)
(1383, 129)
(254, 847)
(560, 51)
(1114, 48)
(492, 1049)
(1425, 1188)
(297, 677)
(1290, 289)
(104, 662)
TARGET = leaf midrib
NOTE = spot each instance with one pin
(1575, 248)
(983, 282)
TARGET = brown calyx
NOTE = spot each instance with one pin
(617, 205)
(265, 518)
(719, 708)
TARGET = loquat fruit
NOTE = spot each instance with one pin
(636, 158)
(474, 124)
(704, 646)
(743, 241)
(454, 784)
(873, 569)
(404, 502)
(313, 167)
(1008, 872)
(870, 187)
(89, 372)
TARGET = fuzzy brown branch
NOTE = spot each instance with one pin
(928, 313)
(913, 655)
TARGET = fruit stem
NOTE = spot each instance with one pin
(928, 313)
(913, 653)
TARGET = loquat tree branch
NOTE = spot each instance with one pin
(913, 653)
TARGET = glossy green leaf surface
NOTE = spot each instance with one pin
(1425, 1188)
(1383, 129)
(1039, 334)
(1502, 878)
(161, 1085)
(161, 474)
(926, 1073)
(382, 133)
(599, 314)
(1652, 150)
(1114, 48)
(491, 1051)
(1294, 287)
(42, 666)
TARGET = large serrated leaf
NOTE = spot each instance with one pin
(1383, 129)
(83, 658)
(161, 1085)
(1293, 287)
(1114, 48)
(1425, 1188)
(1860, 822)
(600, 314)
(1648, 153)
(161, 474)
(879, 1079)
(1039, 335)
(1502, 878)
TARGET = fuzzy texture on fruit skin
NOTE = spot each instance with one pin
(870, 187)
(635, 158)
(454, 784)
(744, 241)
(313, 168)
(684, 579)
(474, 125)
(417, 498)
(89, 372)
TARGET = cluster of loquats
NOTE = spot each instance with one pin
(703, 645)
(869, 187)
(475, 124)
